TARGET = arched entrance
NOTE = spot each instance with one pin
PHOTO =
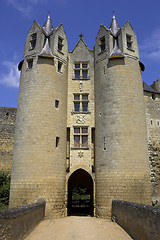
(80, 193)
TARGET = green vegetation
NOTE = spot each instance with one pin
(4, 189)
(80, 193)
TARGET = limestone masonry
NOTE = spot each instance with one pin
(84, 118)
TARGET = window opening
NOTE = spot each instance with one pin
(59, 67)
(102, 44)
(153, 96)
(56, 103)
(60, 44)
(81, 102)
(30, 63)
(104, 144)
(57, 141)
(33, 41)
(81, 70)
(77, 65)
(81, 137)
(129, 41)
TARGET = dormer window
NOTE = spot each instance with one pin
(102, 44)
(33, 40)
(129, 41)
(60, 44)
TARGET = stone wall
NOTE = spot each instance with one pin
(39, 158)
(7, 128)
(121, 157)
(152, 108)
(16, 223)
(142, 222)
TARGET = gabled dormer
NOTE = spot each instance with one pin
(116, 41)
(81, 60)
(103, 43)
(128, 41)
(59, 43)
(34, 41)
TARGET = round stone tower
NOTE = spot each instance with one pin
(121, 157)
(39, 159)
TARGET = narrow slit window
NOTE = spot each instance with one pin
(57, 141)
(59, 67)
(93, 135)
(153, 96)
(56, 103)
(104, 144)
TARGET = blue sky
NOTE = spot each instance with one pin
(17, 16)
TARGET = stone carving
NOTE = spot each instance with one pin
(80, 86)
(80, 119)
(80, 154)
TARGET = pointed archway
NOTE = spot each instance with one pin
(80, 193)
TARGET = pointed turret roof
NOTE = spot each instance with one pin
(48, 28)
(116, 53)
(114, 27)
(46, 51)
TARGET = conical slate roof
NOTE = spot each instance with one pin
(116, 53)
(114, 27)
(46, 51)
(48, 28)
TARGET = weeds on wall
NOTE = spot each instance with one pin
(4, 189)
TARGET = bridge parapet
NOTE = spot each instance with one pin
(141, 222)
(16, 223)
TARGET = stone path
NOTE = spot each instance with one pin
(78, 228)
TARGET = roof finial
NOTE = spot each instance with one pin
(49, 13)
(113, 12)
(114, 27)
(81, 36)
(48, 28)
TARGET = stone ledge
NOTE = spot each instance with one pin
(17, 211)
(141, 222)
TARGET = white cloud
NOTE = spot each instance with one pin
(11, 78)
(25, 7)
(150, 48)
(22, 7)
